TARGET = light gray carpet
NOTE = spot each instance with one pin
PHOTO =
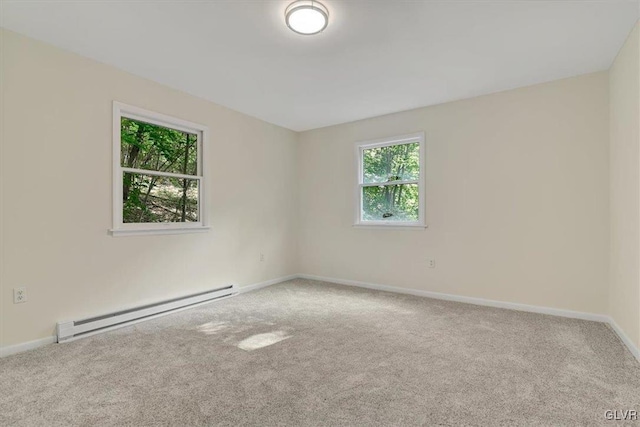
(338, 356)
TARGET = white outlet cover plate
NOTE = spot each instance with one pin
(19, 295)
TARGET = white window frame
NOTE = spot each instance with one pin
(387, 142)
(123, 229)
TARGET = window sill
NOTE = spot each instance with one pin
(383, 225)
(155, 231)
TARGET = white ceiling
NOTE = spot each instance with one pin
(376, 57)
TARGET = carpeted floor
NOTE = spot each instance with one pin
(310, 353)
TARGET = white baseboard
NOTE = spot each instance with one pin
(625, 339)
(18, 348)
(468, 300)
(487, 302)
(29, 345)
(256, 286)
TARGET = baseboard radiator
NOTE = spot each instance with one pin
(69, 331)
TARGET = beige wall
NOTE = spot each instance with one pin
(624, 289)
(517, 199)
(517, 196)
(56, 194)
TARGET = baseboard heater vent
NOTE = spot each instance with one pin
(68, 331)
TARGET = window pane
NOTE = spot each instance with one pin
(390, 203)
(153, 147)
(393, 163)
(148, 198)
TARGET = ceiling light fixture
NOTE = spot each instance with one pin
(306, 17)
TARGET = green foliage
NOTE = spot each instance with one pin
(150, 198)
(153, 147)
(391, 202)
(393, 163)
(160, 199)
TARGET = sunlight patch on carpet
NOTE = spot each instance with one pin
(213, 327)
(255, 342)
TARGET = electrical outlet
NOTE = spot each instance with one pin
(431, 263)
(261, 257)
(19, 295)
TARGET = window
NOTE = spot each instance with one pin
(391, 182)
(158, 173)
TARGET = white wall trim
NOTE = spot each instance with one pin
(625, 339)
(418, 137)
(489, 303)
(256, 286)
(121, 228)
(24, 346)
(30, 345)
(468, 300)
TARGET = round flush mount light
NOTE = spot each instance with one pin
(306, 17)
